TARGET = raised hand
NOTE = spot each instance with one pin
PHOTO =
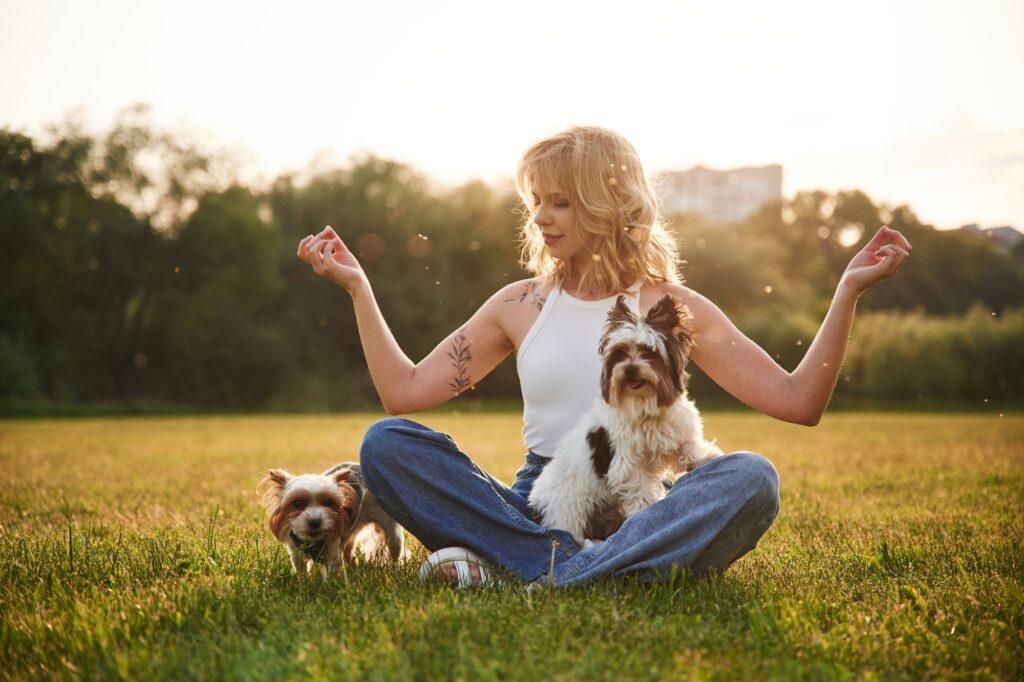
(331, 259)
(879, 260)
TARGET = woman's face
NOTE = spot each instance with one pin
(556, 218)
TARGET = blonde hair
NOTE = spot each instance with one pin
(621, 225)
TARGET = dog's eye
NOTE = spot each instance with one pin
(329, 504)
(298, 504)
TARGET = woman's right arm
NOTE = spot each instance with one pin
(468, 354)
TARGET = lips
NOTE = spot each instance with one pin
(638, 383)
(551, 239)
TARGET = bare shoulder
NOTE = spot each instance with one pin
(712, 329)
(701, 308)
(518, 304)
(530, 292)
(684, 293)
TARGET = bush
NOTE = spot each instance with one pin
(18, 375)
(912, 356)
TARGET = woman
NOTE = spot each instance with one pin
(592, 230)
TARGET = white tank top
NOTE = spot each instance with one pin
(559, 368)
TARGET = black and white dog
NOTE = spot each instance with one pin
(642, 429)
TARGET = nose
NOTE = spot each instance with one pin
(541, 218)
(314, 523)
(631, 372)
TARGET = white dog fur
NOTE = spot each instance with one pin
(642, 429)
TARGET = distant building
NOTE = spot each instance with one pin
(724, 195)
(1004, 236)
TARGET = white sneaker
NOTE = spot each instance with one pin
(457, 566)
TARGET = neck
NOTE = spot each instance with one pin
(572, 285)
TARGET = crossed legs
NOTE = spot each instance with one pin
(710, 517)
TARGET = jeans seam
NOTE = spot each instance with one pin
(509, 510)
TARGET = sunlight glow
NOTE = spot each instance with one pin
(924, 112)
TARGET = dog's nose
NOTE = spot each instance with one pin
(631, 372)
(314, 523)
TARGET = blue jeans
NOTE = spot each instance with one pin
(710, 517)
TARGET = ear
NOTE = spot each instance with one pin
(664, 315)
(350, 487)
(349, 482)
(271, 487)
(343, 476)
(620, 312)
(619, 315)
(672, 319)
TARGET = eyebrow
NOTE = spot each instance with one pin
(556, 192)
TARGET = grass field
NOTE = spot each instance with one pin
(135, 548)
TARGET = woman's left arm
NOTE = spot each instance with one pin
(746, 371)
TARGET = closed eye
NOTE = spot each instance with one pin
(558, 204)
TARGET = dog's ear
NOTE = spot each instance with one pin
(665, 315)
(620, 312)
(673, 320)
(343, 477)
(271, 487)
(349, 483)
(619, 315)
(349, 488)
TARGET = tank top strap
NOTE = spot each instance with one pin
(545, 312)
(634, 289)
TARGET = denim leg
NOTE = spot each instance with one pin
(421, 478)
(712, 516)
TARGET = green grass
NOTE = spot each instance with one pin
(136, 548)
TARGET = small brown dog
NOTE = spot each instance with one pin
(319, 518)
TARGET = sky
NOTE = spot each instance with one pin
(916, 103)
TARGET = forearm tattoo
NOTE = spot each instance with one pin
(530, 296)
(460, 355)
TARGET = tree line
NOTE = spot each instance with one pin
(139, 269)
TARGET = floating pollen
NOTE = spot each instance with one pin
(768, 289)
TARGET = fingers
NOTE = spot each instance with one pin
(316, 259)
(313, 249)
(886, 234)
(306, 246)
(893, 250)
(897, 237)
(892, 256)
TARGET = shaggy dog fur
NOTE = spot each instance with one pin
(642, 429)
(322, 518)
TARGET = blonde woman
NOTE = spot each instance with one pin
(591, 231)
